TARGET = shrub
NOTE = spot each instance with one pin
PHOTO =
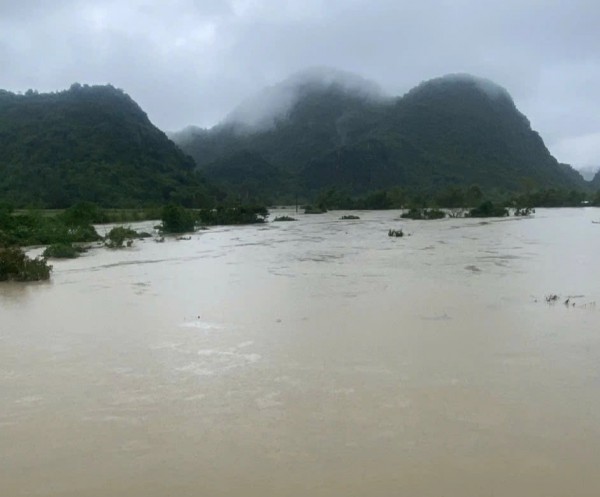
(176, 219)
(16, 266)
(33, 228)
(488, 209)
(312, 209)
(433, 214)
(248, 214)
(62, 251)
(415, 213)
(524, 211)
(117, 236)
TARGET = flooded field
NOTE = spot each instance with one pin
(312, 358)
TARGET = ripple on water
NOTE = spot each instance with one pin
(202, 325)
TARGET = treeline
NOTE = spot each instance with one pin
(453, 197)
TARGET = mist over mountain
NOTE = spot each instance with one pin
(88, 143)
(324, 114)
(454, 130)
(273, 104)
(588, 172)
(595, 182)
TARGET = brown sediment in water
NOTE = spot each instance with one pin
(310, 359)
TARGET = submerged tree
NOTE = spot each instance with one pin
(16, 266)
(176, 219)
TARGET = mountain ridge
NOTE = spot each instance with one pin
(88, 143)
(457, 129)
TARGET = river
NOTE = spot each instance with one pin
(310, 359)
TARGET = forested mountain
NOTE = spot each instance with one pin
(292, 123)
(455, 130)
(89, 143)
(248, 176)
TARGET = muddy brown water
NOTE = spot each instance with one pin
(308, 359)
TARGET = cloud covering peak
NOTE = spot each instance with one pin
(262, 110)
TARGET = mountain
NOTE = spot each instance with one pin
(289, 123)
(454, 130)
(595, 183)
(89, 143)
(588, 172)
(248, 176)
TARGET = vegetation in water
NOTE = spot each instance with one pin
(223, 215)
(524, 211)
(284, 218)
(16, 266)
(488, 209)
(349, 217)
(177, 219)
(37, 228)
(119, 236)
(416, 213)
(396, 233)
(315, 209)
(63, 251)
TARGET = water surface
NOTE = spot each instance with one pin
(315, 358)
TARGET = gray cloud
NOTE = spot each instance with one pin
(193, 61)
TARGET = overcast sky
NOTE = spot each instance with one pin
(191, 61)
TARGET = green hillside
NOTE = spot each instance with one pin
(456, 130)
(90, 143)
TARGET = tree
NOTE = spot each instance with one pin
(176, 219)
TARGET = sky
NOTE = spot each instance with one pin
(190, 62)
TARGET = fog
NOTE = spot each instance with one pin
(262, 110)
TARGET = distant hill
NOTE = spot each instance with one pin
(588, 172)
(339, 131)
(293, 122)
(89, 143)
(595, 183)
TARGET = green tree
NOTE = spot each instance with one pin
(176, 219)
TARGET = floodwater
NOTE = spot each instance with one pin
(310, 359)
